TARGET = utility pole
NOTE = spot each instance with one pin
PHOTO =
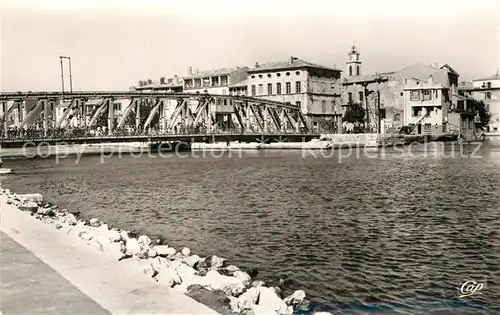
(62, 74)
(379, 79)
(367, 112)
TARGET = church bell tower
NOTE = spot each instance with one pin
(353, 65)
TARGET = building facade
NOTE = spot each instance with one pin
(215, 81)
(488, 90)
(313, 88)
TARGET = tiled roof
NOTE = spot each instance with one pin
(367, 77)
(214, 72)
(240, 84)
(493, 77)
(288, 64)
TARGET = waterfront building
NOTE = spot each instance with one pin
(486, 89)
(170, 85)
(315, 89)
(391, 92)
(215, 81)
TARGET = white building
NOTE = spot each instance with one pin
(488, 90)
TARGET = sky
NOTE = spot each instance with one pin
(113, 44)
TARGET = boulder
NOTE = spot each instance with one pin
(295, 298)
(188, 275)
(45, 211)
(168, 276)
(114, 236)
(31, 197)
(258, 283)
(28, 206)
(151, 253)
(124, 234)
(216, 300)
(191, 261)
(132, 247)
(270, 303)
(186, 251)
(215, 262)
(243, 276)
(232, 269)
(164, 251)
(144, 240)
(94, 222)
(230, 285)
(70, 219)
(248, 299)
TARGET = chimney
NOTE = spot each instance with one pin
(292, 58)
(162, 80)
(190, 70)
(257, 64)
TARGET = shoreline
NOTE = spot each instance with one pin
(208, 280)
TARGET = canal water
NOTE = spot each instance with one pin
(366, 233)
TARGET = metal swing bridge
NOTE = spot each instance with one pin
(100, 117)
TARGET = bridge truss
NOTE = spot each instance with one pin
(142, 112)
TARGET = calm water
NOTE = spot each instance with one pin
(384, 234)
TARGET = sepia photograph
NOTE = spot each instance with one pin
(319, 157)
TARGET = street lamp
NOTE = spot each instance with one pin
(62, 74)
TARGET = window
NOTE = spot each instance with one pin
(268, 75)
(269, 88)
(260, 76)
(357, 70)
(427, 128)
(436, 94)
(350, 97)
(278, 74)
(361, 96)
(298, 104)
(488, 85)
(333, 107)
(253, 90)
(488, 95)
(350, 70)
(278, 88)
(415, 95)
(288, 88)
(297, 73)
(323, 106)
(427, 95)
(297, 87)
(288, 73)
(261, 89)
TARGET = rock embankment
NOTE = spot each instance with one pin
(209, 280)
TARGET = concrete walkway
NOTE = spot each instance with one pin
(47, 271)
(29, 286)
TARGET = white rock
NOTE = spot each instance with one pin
(186, 251)
(270, 303)
(45, 211)
(230, 285)
(295, 298)
(160, 263)
(169, 277)
(31, 197)
(248, 299)
(94, 222)
(70, 219)
(232, 268)
(258, 283)
(114, 236)
(191, 260)
(234, 305)
(144, 240)
(115, 249)
(132, 247)
(151, 253)
(164, 250)
(103, 228)
(217, 262)
(243, 276)
(188, 275)
(124, 235)
(28, 206)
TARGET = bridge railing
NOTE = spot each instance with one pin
(85, 133)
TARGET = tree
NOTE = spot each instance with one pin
(483, 112)
(355, 113)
